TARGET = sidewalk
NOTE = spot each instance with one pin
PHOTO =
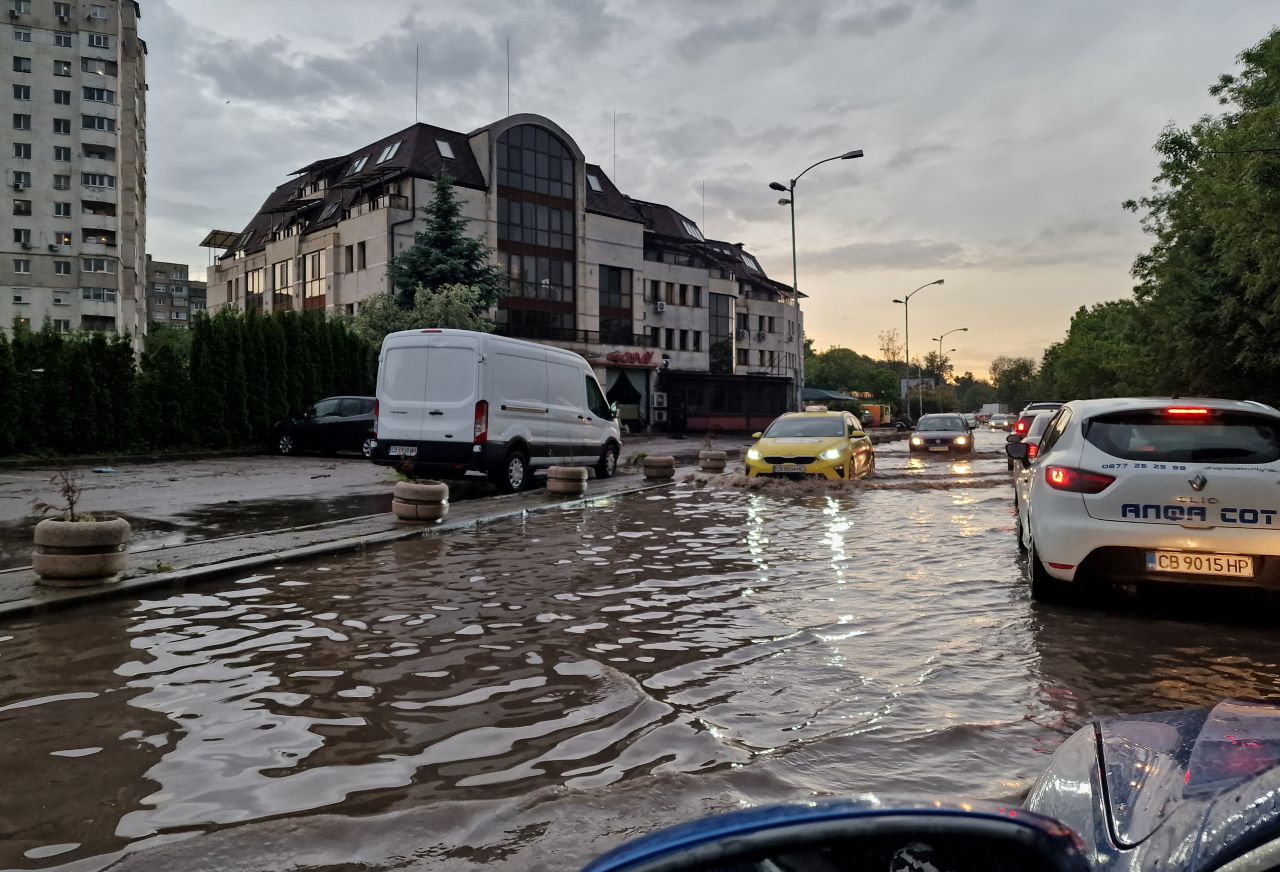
(177, 565)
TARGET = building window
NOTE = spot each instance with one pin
(744, 356)
(22, 7)
(21, 121)
(62, 68)
(62, 153)
(22, 150)
(22, 93)
(697, 296)
(531, 158)
(62, 183)
(99, 12)
(615, 306)
(22, 178)
(360, 255)
(62, 267)
(22, 266)
(61, 210)
(97, 180)
(535, 224)
(720, 340)
(61, 325)
(357, 165)
(62, 126)
(684, 295)
(389, 152)
(62, 10)
(540, 297)
(98, 66)
(99, 95)
(594, 183)
(670, 295)
(670, 342)
(62, 39)
(697, 340)
(21, 207)
(349, 259)
(22, 34)
(99, 40)
(445, 149)
(684, 340)
(283, 298)
(198, 305)
(21, 65)
(97, 122)
(105, 295)
(313, 271)
(21, 236)
(97, 264)
(61, 238)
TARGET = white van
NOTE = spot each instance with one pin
(455, 402)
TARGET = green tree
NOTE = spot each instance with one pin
(456, 306)
(1107, 352)
(9, 399)
(444, 252)
(1014, 379)
(843, 369)
(973, 393)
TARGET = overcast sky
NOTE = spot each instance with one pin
(1000, 135)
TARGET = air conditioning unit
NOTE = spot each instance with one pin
(52, 247)
(760, 336)
(743, 334)
(13, 13)
(17, 186)
(26, 246)
(660, 306)
(659, 400)
(659, 416)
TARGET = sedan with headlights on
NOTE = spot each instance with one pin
(942, 434)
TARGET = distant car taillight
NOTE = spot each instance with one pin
(480, 432)
(375, 419)
(1079, 481)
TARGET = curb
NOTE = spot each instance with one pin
(48, 599)
(105, 459)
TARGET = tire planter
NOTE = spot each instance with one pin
(712, 461)
(660, 468)
(420, 502)
(568, 481)
(80, 553)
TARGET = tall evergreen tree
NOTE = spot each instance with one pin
(444, 252)
(9, 394)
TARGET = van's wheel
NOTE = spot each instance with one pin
(608, 463)
(1044, 587)
(513, 475)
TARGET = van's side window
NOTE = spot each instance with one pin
(596, 402)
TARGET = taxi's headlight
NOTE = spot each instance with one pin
(962, 440)
(916, 440)
(830, 454)
(753, 454)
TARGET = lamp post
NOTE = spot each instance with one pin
(790, 200)
(906, 318)
(938, 340)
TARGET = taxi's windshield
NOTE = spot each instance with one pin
(792, 427)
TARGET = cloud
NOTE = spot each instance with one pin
(898, 254)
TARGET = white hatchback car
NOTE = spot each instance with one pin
(1152, 490)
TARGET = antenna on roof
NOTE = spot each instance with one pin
(508, 75)
(615, 147)
(415, 84)
(704, 207)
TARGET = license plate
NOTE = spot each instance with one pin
(939, 448)
(788, 467)
(403, 451)
(1233, 565)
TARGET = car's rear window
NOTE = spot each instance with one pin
(1039, 424)
(1220, 437)
(947, 422)
(787, 427)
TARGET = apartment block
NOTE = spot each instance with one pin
(685, 333)
(173, 298)
(73, 100)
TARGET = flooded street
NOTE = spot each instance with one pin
(531, 693)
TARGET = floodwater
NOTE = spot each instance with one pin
(529, 694)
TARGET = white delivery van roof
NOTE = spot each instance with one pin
(485, 338)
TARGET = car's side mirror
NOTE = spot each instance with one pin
(1018, 450)
(850, 835)
(309, 413)
(612, 414)
(1013, 437)
(757, 435)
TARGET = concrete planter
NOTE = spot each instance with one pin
(660, 468)
(712, 461)
(80, 553)
(420, 502)
(568, 481)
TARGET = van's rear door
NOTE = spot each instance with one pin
(452, 389)
(402, 385)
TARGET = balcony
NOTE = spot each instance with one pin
(98, 137)
(386, 201)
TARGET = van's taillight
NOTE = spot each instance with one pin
(1078, 481)
(480, 432)
(375, 419)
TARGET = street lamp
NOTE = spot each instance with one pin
(940, 352)
(906, 317)
(790, 200)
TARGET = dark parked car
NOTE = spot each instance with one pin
(334, 424)
(942, 433)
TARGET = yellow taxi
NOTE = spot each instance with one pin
(816, 442)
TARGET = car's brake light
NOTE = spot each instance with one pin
(1184, 410)
(1079, 481)
(375, 419)
(1032, 450)
(1022, 427)
(480, 431)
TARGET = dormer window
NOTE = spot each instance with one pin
(358, 165)
(446, 150)
(594, 182)
(692, 230)
(389, 152)
(329, 209)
